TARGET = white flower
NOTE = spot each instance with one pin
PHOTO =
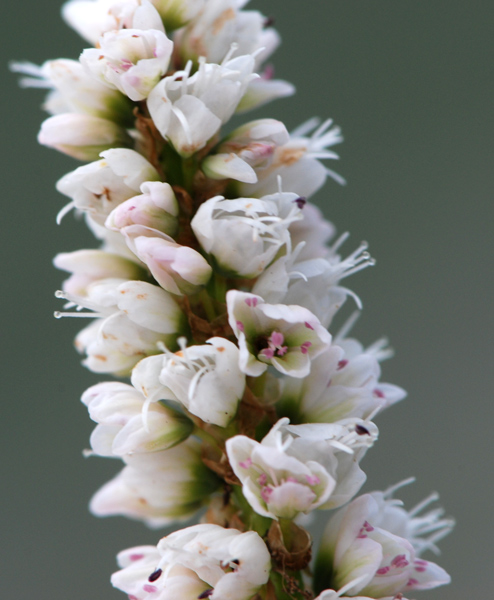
(82, 136)
(131, 319)
(178, 269)
(297, 162)
(296, 469)
(158, 488)
(343, 382)
(245, 149)
(74, 90)
(189, 109)
(313, 283)
(205, 379)
(156, 208)
(314, 231)
(117, 408)
(260, 226)
(131, 60)
(219, 25)
(202, 561)
(99, 187)
(88, 266)
(263, 90)
(286, 337)
(92, 18)
(378, 543)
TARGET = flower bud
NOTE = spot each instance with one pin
(178, 269)
(88, 266)
(156, 208)
(81, 136)
(123, 429)
(158, 488)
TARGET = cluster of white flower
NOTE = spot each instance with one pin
(213, 290)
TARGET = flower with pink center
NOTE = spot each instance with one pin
(285, 337)
(296, 469)
(376, 544)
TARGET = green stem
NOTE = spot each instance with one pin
(208, 305)
(220, 287)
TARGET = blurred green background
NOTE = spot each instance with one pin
(411, 84)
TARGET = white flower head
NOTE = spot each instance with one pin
(82, 136)
(374, 541)
(131, 318)
(296, 469)
(159, 487)
(245, 149)
(99, 187)
(297, 162)
(260, 226)
(202, 561)
(189, 109)
(130, 60)
(285, 337)
(178, 269)
(73, 89)
(205, 379)
(156, 207)
(117, 408)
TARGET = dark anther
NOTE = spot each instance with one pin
(235, 561)
(361, 430)
(269, 22)
(300, 202)
(155, 575)
(205, 594)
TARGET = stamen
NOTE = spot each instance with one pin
(63, 211)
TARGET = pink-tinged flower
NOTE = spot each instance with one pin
(296, 469)
(203, 378)
(158, 488)
(377, 544)
(261, 231)
(247, 148)
(156, 208)
(202, 561)
(74, 90)
(82, 136)
(130, 60)
(99, 187)
(298, 162)
(131, 319)
(334, 595)
(285, 337)
(189, 109)
(122, 428)
(343, 382)
(88, 266)
(178, 269)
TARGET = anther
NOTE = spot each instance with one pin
(205, 594)
(361, 430)
(155, 575)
